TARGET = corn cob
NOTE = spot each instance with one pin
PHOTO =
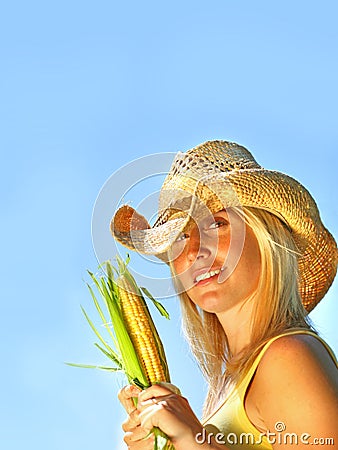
(139, 350)
(142, 331)
(144, 336)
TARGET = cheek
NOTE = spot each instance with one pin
(179, 273)
(178, 265)
(223, 246)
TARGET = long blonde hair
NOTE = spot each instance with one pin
(277, 301)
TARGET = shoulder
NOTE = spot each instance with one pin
(297, 361)
(301, 353)
(296, 379)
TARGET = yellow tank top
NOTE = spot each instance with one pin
(230, 420)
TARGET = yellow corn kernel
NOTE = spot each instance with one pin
(141, 330)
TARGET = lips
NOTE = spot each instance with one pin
(205, 274)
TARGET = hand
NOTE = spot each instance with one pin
(135, 437)
(158, 406)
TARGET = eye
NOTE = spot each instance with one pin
(218, 222)
(181, 237)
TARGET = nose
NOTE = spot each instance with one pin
(197, 247)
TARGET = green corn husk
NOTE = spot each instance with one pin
(120, 351)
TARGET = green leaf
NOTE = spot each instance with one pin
(90, 366)
(111, 355)
(161, 440)
(156, 303)
(103, 318)
(97, 284)
(96, 332)
(110, 275)
(128, 354)
(120, 264)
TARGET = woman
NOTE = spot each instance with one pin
(250, 258)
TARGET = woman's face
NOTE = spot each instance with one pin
(218, 262)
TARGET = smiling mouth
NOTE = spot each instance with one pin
(206, 275)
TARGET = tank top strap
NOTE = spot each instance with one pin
(242, 388)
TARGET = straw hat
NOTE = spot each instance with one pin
(220, 174)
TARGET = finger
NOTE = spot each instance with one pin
(140, 445)
(155, 401)
(137, 434)
(126, 396)
(156, 390)
(170, 386)
(149, 418)
(132, 421)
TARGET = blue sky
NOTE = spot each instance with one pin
(87, 87)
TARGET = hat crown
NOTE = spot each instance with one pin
(198, 165)
(210, 158)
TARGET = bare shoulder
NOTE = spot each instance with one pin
(297, 381)
(298, 355)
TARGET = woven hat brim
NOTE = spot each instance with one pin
(152, 241)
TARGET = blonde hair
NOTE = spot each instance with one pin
(277, 307)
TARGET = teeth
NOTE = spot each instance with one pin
(206, 275)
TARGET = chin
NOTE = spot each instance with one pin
(211, 305)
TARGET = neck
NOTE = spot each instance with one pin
(236, 322)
